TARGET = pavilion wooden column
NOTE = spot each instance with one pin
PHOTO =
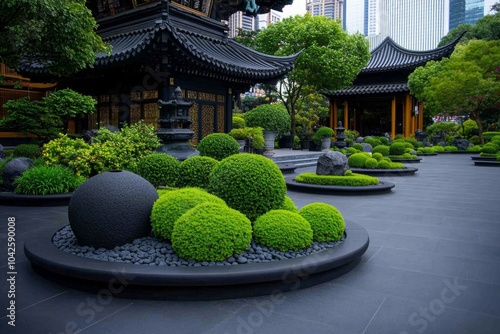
(346, 115)
(420, 123)
(407, 116)
(393, 117)
(334, 114)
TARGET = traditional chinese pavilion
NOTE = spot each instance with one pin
(160, 45)
(379, 100)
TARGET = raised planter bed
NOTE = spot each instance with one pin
(407, 160)
(386, 172)
(480, 158)
(381, 188)
(487, 163)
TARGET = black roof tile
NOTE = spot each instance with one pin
(371, 89)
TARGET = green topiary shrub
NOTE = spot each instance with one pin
(218, 146)
(348, 172)
(371, 163)
(211, 232)
(195, 170)
(357, 160)
(384, 140)
(377, 156)
(348, 179)
(438, 148)
(326, 221)
(160, 169)
(450, 148)
(173, 204)
(425, 150)
(409, 145)
(475, 148)
(46, 180)
(412, 141)
(249, 183)
(382, 149)
(238, 122)
(283, 230)
(351, 150)
(257, 137)
(384, 165)
(272, 117)
(488, 135)
(489, 148)
(31, 151)
(289, 205)
(475, 140)
(397, 148)
(374, 142)
(468, 128)
(239, 133)
(358, 147)
(322, 132)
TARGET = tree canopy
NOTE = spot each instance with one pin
(330, 58)
(59, 34)
(466, 84)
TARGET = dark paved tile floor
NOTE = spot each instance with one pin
(433, 266)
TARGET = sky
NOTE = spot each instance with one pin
(297, 8)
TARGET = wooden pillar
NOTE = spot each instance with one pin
(420, 116)
(333, 114)
(346, 115)
(407, 116)
(393, 117)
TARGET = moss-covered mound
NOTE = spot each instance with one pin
(249, 183)
(173, 204)
(195, 170)
(211, 232)
(326, 221)
(283, 230)
(352, 180)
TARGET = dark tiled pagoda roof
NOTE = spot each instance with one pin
(196, 45)
(372, 89)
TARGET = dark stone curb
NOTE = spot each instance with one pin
(381, 188)
(386, 172)
(480, 158)
(487, 163)
(10, 198)
(426, 154)
(407, 160)
(463, 152)
(127, 280)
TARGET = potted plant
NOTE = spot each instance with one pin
(273, 118)
(323, 137)
(240, 134)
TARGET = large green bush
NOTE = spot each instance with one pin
(283, 230)
(351, 180)
(238, 122)
(326, 221)
(397, 148)
(160, 169)
(249, 183)
(195, 170)
(371, 163)
(273, 117)
(489, 148)
(357, 160)
(46, 180)
(211, 232)
(289, 205)
(173, 204)
(468, 128)
(218, 146)
(31, 151)
(382, 149)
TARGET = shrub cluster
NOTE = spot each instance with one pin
(382, 149)
(450, 148)
(326, 221)
(173, 204)
(159, 169)
(490, 148)
(249, 183)
(31, 151)
(374, 142)
(211, 232)
(283, 230)
(195, 170)
(46, 180)
(289, 205)
(357, 160)
(353, 180)
(218, 146)
(397, 148)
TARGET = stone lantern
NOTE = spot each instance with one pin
(175, 123)
(340, 136)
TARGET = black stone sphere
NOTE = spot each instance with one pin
(111, 209)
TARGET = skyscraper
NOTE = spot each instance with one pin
(333, 9)
(468, 11)
(240, 20)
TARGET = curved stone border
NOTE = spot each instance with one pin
(287, 168)
(381, 188)
(195, 283)
(10, 198)
(426, 154)
(480, 158)
(463, 152)
(386, 172)
(406, 161)
(487, 163)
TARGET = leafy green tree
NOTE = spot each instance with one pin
(330, 58)
(465, 85)
(59, 34)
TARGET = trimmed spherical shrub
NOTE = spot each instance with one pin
(438, 148)
(218, 146)
(371, 163)
(384, 140)
(374, 142)
(450, 148)
(211, 232)
(382, 149)
(489, 148)
(45, 180)
(283, 230)
(238, 122)
(195, 170)
(357, 160)
(249, 183)
(384, 165)
(158, 168)
(475, 148)
(173, 204)
(358, 147)
(272, 117)
(351, 150)
(377, 156)
(397, 148)
(31, 151)
(347, 180)
(326, 221)
(289, 205)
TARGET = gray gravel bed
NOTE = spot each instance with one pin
(155, 252)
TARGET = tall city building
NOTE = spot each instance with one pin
(468, 11)
(270, 18)
(240, 20)
(361, 16)
(333, 9)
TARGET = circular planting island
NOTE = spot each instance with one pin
(196, 282)
(386, 172)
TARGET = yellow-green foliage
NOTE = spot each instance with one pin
(382, 149)
(159, 169)
(173, 204)
(371, 163)
(326, 221)
(249, 183)
(283, 230)
(357, 160)
(397, 148)
(289, 205)
(195, 170)
(211, 232)
(218, 146)
(438, 148)
(238, 122)
(354, 180)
